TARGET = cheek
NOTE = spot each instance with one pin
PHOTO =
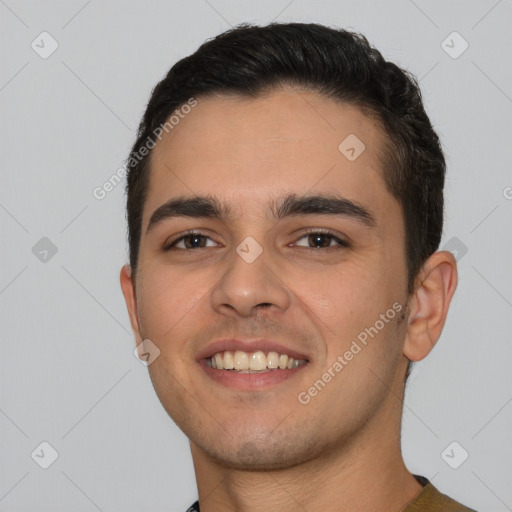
(348, 303)
(340, 297)
(168, 299)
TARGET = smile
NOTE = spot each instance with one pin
(253, 362)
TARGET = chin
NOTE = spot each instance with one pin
(261, 453)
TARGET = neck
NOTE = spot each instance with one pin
(366, 474)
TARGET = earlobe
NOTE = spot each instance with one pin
(429, 305)
(128, 288)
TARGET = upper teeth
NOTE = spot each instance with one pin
(253, 361)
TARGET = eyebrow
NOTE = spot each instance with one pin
(208, 207)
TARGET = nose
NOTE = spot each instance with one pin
(248, 286)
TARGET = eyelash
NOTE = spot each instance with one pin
(312, 231)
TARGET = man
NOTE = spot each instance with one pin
(285, 205)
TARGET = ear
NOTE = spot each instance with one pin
(128, 287)
(429, 303)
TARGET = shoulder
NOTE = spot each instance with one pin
(431, 500)
(194, 507)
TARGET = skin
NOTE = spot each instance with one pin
(263, 450)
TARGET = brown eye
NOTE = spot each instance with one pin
(189, 241)
(322, 240)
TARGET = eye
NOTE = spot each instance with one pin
(314, 239)
(322, 240)
(191, 240)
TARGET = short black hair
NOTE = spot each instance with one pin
(249, 60)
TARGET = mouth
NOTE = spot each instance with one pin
(252, 370)
(253, 362)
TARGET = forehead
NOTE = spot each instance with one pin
(247, 150)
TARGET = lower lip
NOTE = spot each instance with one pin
(249, 381)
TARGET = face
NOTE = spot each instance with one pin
(323, 280)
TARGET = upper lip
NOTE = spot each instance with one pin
(265, 345)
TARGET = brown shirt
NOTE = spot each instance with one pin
(428, 500)
(431, 500)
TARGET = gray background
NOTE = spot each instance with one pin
(68, 373)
